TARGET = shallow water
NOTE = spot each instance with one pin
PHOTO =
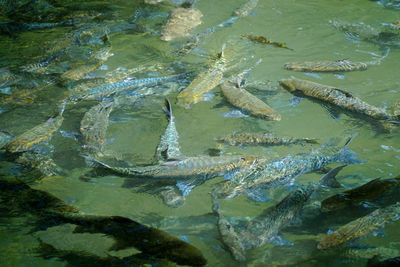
(135, 129)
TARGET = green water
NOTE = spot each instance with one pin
(134, 130)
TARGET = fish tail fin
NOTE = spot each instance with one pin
(168, 109)
(62, 107)
(378, 61)
(215, 206)
(348, 156)
(329, 179)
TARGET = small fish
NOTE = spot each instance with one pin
(337, 97)
(263, 40)
(94, 126)
(247, 102)
(264, 138)
(168, 148)
(36, 135)
(361, 226)
(365, 192)
(264, 173)
(246, 8)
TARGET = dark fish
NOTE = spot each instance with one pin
(337, 97)
(264, 138)
(365, 192)
(126, 232)
(361, 226)
(263, 40)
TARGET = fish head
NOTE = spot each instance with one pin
(288, 84)
(331, 240)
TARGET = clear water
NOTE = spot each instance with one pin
(134, 130)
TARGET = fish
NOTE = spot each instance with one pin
(263, 40)
(242, 99)
(264, 228)
(199, 167)
(203, 82)
(37, 134)
(331, 66)
(263, 138)
(326, 66)
(229, 236)
(245, 8)
(94, 127)
(181, 23)
(265, 173)
(117, 87)
(41, 162)
(365, 192)
(51, 210)
(96, 60)
(360, 227)
(168, 148)
(337, 97)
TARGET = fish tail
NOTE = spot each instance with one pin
(215, 207)
(62, 107)
(348, 156)
(395, 110)
(378, 61)
(168, 109)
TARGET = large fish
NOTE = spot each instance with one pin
(37, 134)
(265, 173)
(337, 97)
(17, 196)
(201, 167)
(264, 228)
(264, 138)
(117, 87)
(365, 192)
(94, 126)
(247, 102)
(361, 226)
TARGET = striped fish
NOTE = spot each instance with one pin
(202, 167)
(337, 97)
(113, 88)
(264, 173)
(264, 138)
(361, 226)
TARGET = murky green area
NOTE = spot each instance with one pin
(136, 126)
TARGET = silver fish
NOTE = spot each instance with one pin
(265, 173)
(337, 97)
